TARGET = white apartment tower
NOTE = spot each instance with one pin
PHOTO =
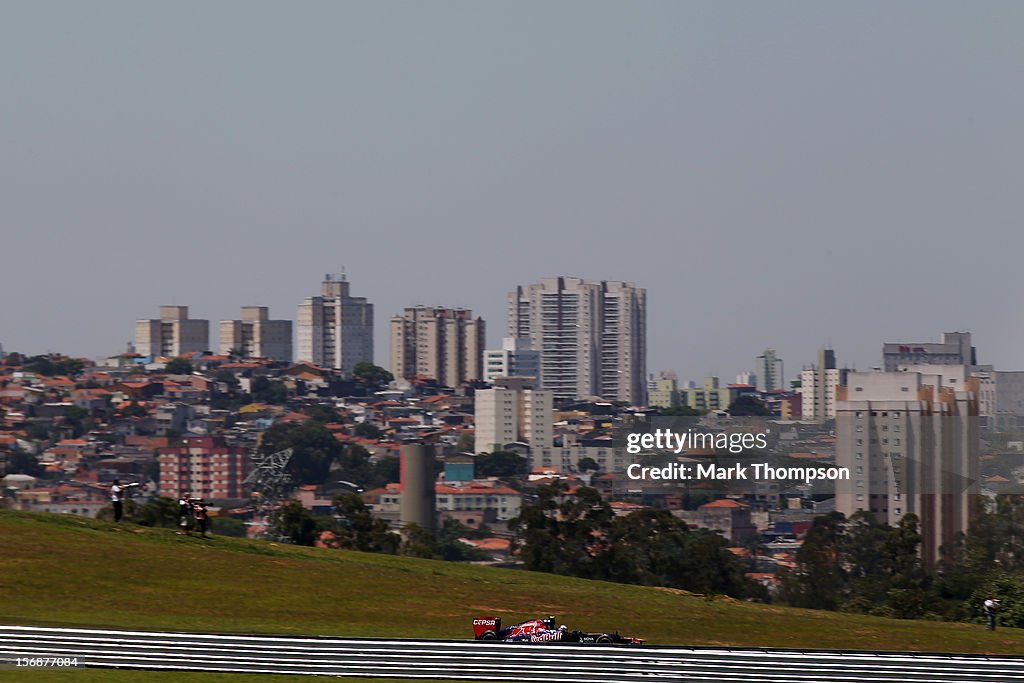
(592, 336)
(334, 330)
(818, 385)
(511, 413)
(173, 334)
(446, 344)
(910, 441)
(769, 371)
(515, 358)
(255, 335)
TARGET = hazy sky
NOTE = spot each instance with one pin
(783, 174)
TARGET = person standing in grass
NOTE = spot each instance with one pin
(202, 517)
(117, 498)
(185, 513)
(991, 609)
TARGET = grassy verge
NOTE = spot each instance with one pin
(64, 570)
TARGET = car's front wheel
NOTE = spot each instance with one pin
(604, 639)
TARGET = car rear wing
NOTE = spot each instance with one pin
(486, 628)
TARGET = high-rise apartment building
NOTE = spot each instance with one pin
(255, 335)
(515, 358)
(818, 386)
(954, 349)
(173, 334)
(769, 372)
(512, 412)
(592, 336)
(204, 466)
(334, 330)
(446, 344)
(910, 441)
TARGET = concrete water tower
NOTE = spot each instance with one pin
(418, 479)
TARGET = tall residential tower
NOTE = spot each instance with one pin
(910, 441)
(769, 371)
(255, 335)
(592, 336)
(334, 330)
(173, 334)
(446, 344)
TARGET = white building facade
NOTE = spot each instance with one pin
(173, 334)
(254, 335)
(515, 413)
(334, 330)
(592, 336)
(515, 358)
(910, 441)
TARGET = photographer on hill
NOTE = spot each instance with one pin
(991, 608)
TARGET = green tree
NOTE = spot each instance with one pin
(20, 462)
(295, 523)
(819, 579)
(179, 366)
(358, 529)
(680, 411)
(78, 419)
(466, 443)
(1009, 590)
(418, 542)
(367, 430)
(537, 530)
(268, 391)
(324, 414)
(227, 377)
(454, 550)
(748, 406)
(587, 464)
(384, 471)
(371, 374)
(158, 512)
(563, 534)
(314, 449)
(501, 464)
(54, 364)
(907, 594)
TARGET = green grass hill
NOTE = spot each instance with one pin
(65, 570)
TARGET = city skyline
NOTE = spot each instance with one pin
(776, 177)
(383, 349)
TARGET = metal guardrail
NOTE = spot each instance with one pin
(479, 661)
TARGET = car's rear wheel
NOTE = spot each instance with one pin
(488, 635)
(604, 639)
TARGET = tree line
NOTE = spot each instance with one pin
(860, 565)
(580, 536)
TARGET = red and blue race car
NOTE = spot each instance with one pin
(543, 631)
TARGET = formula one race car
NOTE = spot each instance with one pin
(543, 631)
